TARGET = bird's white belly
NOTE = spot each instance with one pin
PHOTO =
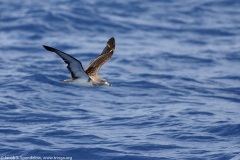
(82, 82)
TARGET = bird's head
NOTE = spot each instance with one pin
(104, 82)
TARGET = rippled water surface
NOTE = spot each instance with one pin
(175, 76)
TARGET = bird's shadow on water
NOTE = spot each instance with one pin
(48, 79)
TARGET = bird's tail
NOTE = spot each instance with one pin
(67, 80)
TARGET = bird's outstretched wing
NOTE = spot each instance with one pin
(93, 68)
(73, 65)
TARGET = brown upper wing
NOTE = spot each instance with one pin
(93, 68)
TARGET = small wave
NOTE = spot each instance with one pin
(226, 130)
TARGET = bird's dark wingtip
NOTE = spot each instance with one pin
(112, 39)
(49, 48)
(111, 42)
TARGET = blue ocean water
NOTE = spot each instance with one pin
(175, 76)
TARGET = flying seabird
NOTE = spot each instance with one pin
(89, 77)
